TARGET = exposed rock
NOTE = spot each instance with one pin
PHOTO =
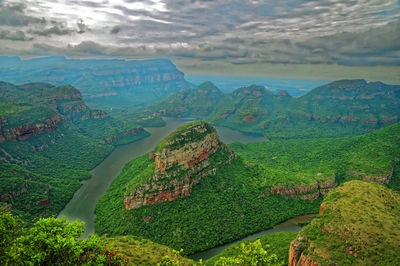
(179, 165)
(30, 129)
(310, 192)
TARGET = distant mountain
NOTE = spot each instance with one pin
(341, 108)
(49, 139)
(358, 225)
(194, 192)
(105, 83)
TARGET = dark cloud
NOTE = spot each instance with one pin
(13, 35)
(14, 15)
(115, 30)
(82, 27)
(55, 30)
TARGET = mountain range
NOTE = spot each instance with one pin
(340, 108)
(108, 84)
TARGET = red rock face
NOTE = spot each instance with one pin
(183, 166)
(28, 130)
(310, 192)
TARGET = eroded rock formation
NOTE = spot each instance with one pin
(310, 192)
(179, 165)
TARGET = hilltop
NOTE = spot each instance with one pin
(358, 225)
(338, 109)
(49, 140)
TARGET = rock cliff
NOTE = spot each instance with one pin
(180, 161)
(310, 192)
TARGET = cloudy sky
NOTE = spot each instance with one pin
(357, 33)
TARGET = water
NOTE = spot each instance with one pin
(287, 226)
(83, 203)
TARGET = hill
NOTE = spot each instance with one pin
(358, 225)
(104, 83)
(341, 108)
(193, 192)
(49, 139)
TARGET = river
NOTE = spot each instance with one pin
(83, 203)
(287, 226)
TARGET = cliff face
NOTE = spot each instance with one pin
(180, 161)
(310, 192)
(29, 129)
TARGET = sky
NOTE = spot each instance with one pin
(221, 35)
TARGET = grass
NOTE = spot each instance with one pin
(359, 225)
(141, 251)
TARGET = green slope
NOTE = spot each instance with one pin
(359, 225)
(339, 109)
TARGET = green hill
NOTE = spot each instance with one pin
(193, 192)
(49, 140)
(358, 225)
(341, 108)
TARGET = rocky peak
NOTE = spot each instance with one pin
(180, 161)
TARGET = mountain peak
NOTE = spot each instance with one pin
(177, 164)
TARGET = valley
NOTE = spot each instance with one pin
(187, 184)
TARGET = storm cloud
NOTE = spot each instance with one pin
(346, 32)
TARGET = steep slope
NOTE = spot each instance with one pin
(341, 108)
(106, 83)
(50, 133)
(193, 193)
(358, 225)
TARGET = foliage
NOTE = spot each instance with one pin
(339, 109)
(294, 162)
(278, 243)
(51, 241)
(40, 174)
(212, 215)
(250, 254)
(358, 226)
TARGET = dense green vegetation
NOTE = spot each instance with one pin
(339, 109)
(295, 162)
(276, 243)
(42, 168)
(222, 207)
(359, 225)
(233, 203)
(51, 242)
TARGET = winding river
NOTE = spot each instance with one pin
(83, 203)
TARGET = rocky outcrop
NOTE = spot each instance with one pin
(310, 192)
(25, 131)
(180, 161)
(130, 132)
